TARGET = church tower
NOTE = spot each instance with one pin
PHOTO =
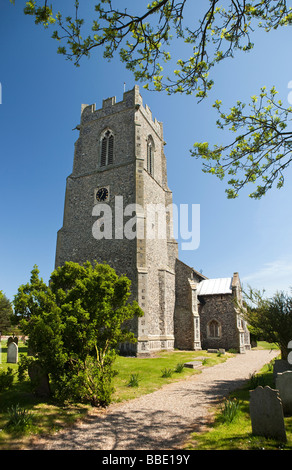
(118, 210)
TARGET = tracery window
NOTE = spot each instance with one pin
(214, 329)
(150, 156)
(107, 149)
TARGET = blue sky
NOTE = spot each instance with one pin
(42, 95)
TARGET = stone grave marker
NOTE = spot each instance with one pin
(39, 380)
(284, 385)
(280, 365)
(192, 364)
(266, 413)
(12, 353)
(12, 339)
(289, 358)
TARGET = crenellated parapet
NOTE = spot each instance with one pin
(131, 99)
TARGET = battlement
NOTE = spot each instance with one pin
(131, 99)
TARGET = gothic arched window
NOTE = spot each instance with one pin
(107, 148)
(214, 329)
(150, 156)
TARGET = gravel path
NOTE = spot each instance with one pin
(164, 419)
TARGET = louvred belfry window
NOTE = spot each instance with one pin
(107, 149)
(150, 155)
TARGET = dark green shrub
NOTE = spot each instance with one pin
(86, 382)
(6, 379)
(75, 325)
(257, 380)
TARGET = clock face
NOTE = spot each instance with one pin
(101, 194)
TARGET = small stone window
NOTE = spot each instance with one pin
(214, 329)
(150, 156)
(107, 149)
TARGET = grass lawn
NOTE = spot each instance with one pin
(48, 417)
(145, 375)
(150, 371)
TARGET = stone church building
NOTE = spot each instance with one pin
(119, 170)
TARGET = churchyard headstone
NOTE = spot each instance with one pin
(193, 364)
(280, 365)
(12, 339)
(289, 358)
(39, 380)
(12, 353)
(284, 385)
(266, 412)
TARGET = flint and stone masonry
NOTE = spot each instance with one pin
(119, 161)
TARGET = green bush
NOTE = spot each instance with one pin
(6, 379)
(75, 325)
(257, 380)
(23, 365)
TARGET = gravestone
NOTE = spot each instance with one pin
(280, 365)
(12, 339)
(12, 353)
(284, 385)
(39, 380)
(289, 358)
(266, 413)
(192, 364)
